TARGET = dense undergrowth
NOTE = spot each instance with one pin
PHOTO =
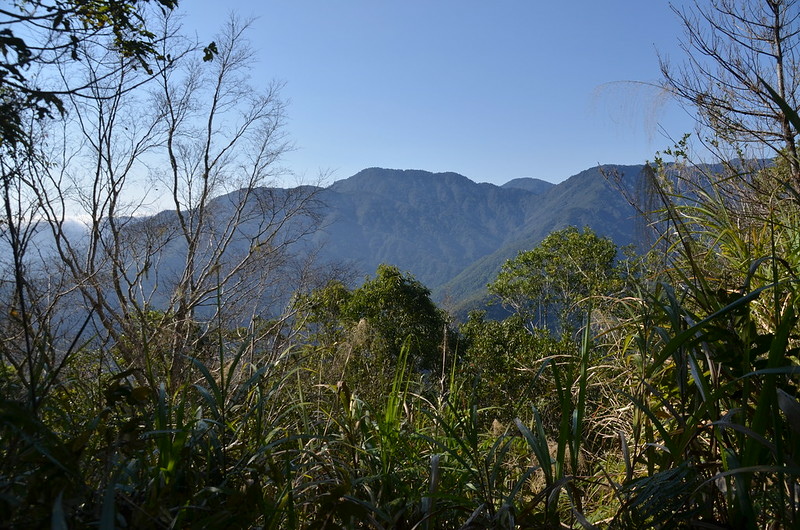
(657, 390)
(674, 404)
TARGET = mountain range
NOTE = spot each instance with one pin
(454, 234)
(451, 233)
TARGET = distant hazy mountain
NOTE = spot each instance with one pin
(433, 225)
(586, 199)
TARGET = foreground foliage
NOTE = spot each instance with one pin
(658, 392)
(677, 407)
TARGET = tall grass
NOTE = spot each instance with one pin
(710, 444)
(677, 407)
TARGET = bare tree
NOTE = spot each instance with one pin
(35, 36)
(223, 137)
(28, 298)
(732, 48)
(201, 137)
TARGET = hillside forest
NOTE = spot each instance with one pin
(201, 368)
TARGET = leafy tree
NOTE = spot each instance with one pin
(550, 285)
(45, 32)
(320, 315)
(360, 334)
(396, 308)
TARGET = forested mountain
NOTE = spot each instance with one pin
(452, 233)
(433, 225)
(529, 184)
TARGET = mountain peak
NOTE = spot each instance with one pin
(529, 184)
(379, 174)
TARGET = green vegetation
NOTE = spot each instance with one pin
(362, 337)
(553, 285)
(652, 391)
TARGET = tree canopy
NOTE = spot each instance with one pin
(380, 317)
(38, 33)
(550, 285)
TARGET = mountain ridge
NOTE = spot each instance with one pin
(452, 233)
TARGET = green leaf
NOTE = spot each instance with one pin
(210, 51)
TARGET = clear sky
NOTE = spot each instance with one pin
(493, 90)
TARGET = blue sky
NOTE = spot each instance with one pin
(491, 90)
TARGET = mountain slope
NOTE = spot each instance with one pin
(454, 234)
(433, 225)
(586, 199)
